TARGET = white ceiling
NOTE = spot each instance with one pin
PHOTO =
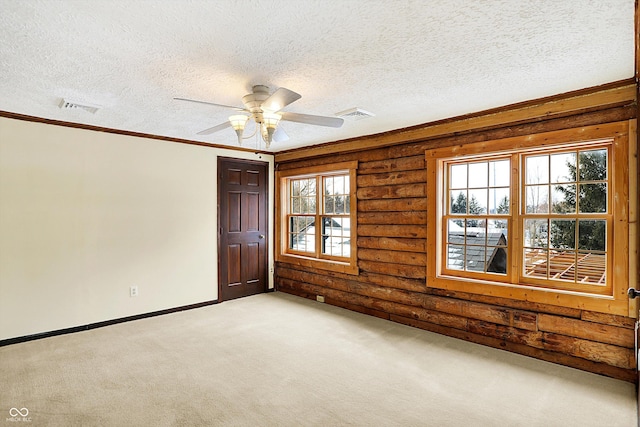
(408, 62)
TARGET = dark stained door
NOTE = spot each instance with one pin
(242, 228)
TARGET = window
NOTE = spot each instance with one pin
(318, 212)
(534, 217)
(566, 217)
(477, 216)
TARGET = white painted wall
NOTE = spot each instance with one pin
(84, 215)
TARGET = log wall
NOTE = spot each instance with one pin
(391, 193)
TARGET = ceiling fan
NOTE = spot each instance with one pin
(266, 111)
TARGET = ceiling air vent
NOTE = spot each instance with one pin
(355, 114)
(65, 104)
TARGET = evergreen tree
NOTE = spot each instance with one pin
(474, 208)
(459, 206)
(503, 208)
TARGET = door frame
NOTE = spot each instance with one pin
(267, 260)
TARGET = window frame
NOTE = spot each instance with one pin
(613, 299)
(316, 259)
(607, 216)
(442, 258)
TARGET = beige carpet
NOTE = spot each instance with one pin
(279, 360)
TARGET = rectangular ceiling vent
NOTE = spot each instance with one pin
(65, 104)
(355, 114)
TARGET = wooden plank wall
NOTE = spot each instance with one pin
(392, 258)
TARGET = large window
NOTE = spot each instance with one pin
(534, 217)
(317, 212)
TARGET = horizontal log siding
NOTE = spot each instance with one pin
(392, 258)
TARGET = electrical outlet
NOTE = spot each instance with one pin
(320, 298)
(133, 291)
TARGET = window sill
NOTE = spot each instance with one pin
(610, 304)
(331, 265)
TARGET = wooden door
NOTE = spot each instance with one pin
(242, 228)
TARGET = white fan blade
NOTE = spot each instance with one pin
(280, 99)
(334, 122)
(210, 103)
(280, 135)
(215, 128)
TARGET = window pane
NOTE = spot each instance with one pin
(563, 198)
(476, 227)
(295, 188)
(500, 173)
(302, 233)
(311, 187)
(475, 258)
(329, 204)
(562, 265)
(305, 187)
(303, 197)
(498, 226)
(499, 200)
(563, 167)
(336, 194)
(458, 204)
(593, 198)
(536, 233)
(496, 260)
(537, 199)
(455, 231)
(455, 257)
(295, 205)
(478, 201)
(592, 268)
(592, 235)
(458, 176)
(338, 182)
(593, 165)
(478, 175)
(563, 234)
(537, 170)
(328, 185)
(307, 205)
(336, 235)
(535, 262)
(341, 205)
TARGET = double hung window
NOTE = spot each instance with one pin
(532, 216)
(317, 214)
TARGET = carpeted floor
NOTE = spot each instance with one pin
(278, 360)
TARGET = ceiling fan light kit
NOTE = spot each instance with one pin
(269, 124)
(238, 121)
(264, 109)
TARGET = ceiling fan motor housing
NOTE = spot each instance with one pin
(253, 101)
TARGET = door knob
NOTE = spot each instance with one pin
(633, 293)
(261, 236)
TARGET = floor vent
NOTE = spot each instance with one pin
(355, 114)
(65, 104)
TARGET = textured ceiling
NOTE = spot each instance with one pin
(408, 62)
